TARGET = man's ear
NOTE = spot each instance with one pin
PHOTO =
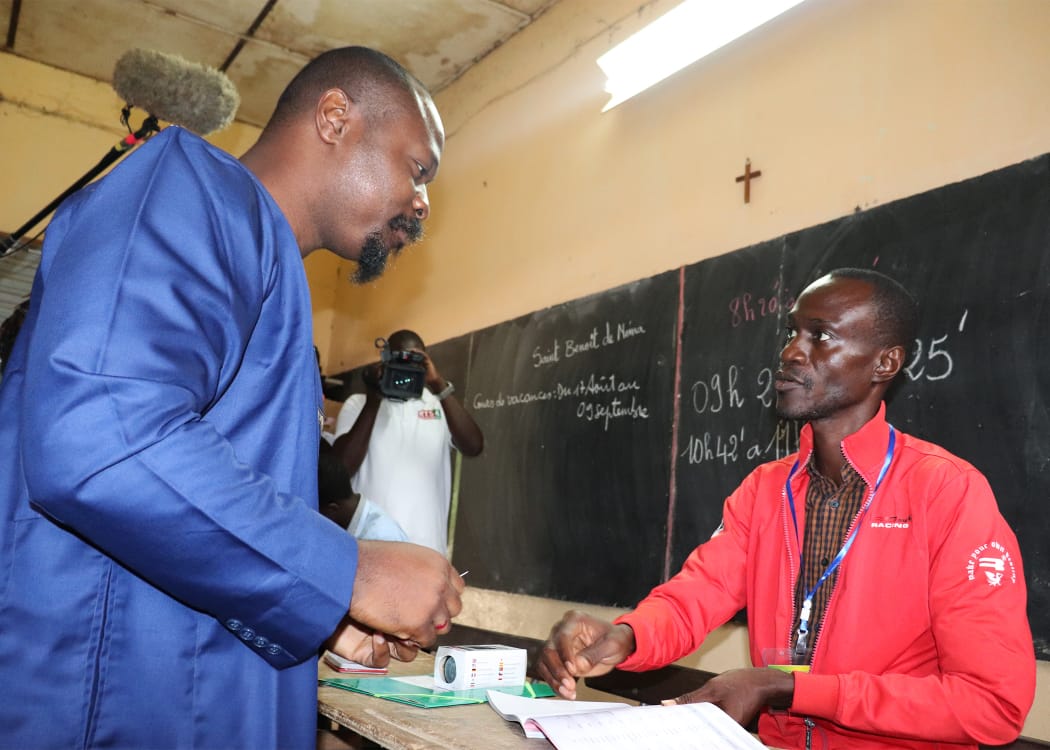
(890, 362)
(337, 117)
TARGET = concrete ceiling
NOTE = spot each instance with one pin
(260, 44)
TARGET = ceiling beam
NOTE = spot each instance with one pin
(248, 35)
(12, 23)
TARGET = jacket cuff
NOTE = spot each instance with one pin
(816, 694)
(289, 626)
(634, 662)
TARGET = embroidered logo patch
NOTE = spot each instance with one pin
(991, 564)
(429, 413)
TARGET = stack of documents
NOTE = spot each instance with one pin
(574, 725)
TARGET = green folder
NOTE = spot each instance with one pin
(420, 691)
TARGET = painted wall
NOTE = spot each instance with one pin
(540, 199)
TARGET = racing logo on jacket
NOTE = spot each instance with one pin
(890, 522)
(991, 563)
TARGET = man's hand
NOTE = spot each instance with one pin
(466, 435)
(371, 375)
(582, 646)
(409, 592)
(367, 647)
(432, 378)
(742, 693)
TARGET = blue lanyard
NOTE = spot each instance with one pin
(807, 603)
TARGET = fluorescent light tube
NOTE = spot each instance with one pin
(679, 37)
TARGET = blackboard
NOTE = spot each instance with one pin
(576, 404)
(564, 507)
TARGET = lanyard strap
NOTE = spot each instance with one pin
(807, 603)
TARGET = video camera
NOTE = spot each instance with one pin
(404, 374)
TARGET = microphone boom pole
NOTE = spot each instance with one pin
(128, 142)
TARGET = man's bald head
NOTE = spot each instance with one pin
(405, 339)
(348, 154)
(378, 84)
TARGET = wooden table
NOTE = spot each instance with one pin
(398, 726)
(402, 727)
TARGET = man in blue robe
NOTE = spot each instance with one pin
(165, 578)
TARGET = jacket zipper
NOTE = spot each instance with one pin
(793, 574)
(807, 721)
(835, 591)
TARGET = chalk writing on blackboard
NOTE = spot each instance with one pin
(589, 388)
(595, 339)
(599, 397)
(932, 353)
(748, 307)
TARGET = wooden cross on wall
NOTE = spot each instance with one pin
(746, 178)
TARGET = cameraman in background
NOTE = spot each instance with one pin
(394, 440)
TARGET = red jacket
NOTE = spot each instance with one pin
(925, 639)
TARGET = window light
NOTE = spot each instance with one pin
(679, 37)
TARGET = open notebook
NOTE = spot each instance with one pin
(575, 725)
(526, 711)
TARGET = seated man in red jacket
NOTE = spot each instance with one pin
(907, 633)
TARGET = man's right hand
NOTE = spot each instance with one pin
(370, 376)
(582, 646)
(404, 590)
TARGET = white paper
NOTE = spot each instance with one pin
(525, 710)
(679, 727)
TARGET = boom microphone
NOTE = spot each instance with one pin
(170, 88)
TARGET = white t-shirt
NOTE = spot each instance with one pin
(407, 470)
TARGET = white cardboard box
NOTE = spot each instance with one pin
(468, 667)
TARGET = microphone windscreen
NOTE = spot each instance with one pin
(170, 88)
